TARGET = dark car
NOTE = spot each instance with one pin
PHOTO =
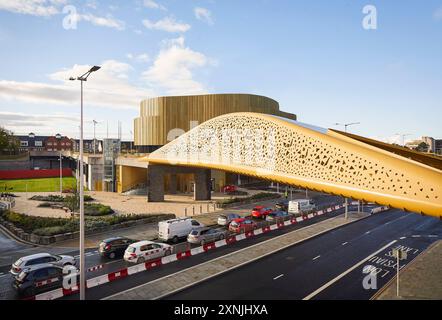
(282, 205)
(277, 216)
(39, 278)
(114, 247)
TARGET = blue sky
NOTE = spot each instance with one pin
(314, 57)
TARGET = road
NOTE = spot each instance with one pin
(321, 268)
(93, 259)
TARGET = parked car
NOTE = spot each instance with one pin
(40, 278)
(261, 212)
(225, 219)
(41, 258)
(229, 188)
(242, 225)
(282, 205)
(142, 251)
(114, 247)
(175, 229)
(206, 235)
(277, 215)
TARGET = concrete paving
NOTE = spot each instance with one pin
(161, 287)
(420, 280)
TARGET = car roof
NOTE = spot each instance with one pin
(258, 207)
(141, 243)
(34, 256)
(113, 239)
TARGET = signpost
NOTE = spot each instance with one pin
(399, 255)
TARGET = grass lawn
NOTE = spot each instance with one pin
(37, 185)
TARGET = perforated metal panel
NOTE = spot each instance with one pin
(283, 150)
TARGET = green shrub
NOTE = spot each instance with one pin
(51, 231)
(49, 198)
(97, 209)
(30, 223)
(45, 205)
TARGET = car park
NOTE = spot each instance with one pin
(142, 251)
(40, 278)
(225, 219)
(114, 247)
(206, 235)
(242, 225)
(175, 229)
(261, 212)
(41, 258)
(276, 216)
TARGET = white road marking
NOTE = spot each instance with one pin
(432, 236)
(281, 275)
(415, 236)
(344, 243)
(328, 284)
(316, 257)
(368, 232)
(402, 238)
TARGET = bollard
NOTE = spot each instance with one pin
(201, 209)
(185, 212)
(208, 208)
(193, 210)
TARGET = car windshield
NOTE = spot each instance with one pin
(57, 257)
(131, 249)
(222, 217)
(234, 223)
(194, 233)
(22, 276)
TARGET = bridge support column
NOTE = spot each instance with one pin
(155, 184)
(202, 185)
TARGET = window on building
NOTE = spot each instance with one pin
(49, 143)
(39, 143)
(23, 143)
(50, 149)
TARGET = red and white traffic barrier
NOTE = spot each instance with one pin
(113, 276)
(101, 266)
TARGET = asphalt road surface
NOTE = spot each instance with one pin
(330, 266)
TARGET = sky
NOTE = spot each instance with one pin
(326, 61)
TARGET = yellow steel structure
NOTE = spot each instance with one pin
(286, 151)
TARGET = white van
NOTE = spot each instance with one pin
(175, 229)
(301, 206)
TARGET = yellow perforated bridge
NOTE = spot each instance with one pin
(286, 151)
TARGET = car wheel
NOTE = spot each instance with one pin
(203, 242)
(141, 260)
(67, 264)
(168, 253)
(175, 239)
(112, 255)
(221, 237)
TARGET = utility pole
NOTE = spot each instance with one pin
(403, 135)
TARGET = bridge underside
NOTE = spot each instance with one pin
(282, 150)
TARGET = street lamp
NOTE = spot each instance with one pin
(346, 124)
(82, 78)
(403, 135)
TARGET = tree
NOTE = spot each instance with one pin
(8, 143)
(422, 147)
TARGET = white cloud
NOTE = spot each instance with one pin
(203, 14)
(144, 57)
(438, 14)
(172, 69)
(168, 24)
(151, 4)
(107, 21)
(33, 7)
(107, 88)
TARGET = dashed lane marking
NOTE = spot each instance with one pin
(317, 257)
(281, 275)
(344, 243)
(402, 238)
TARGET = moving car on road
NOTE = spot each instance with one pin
(282, 205)
(301, 206)
(206, 235)
(242, 225)
(176, 229)
(261, 212)
(225, 219)
(41, 278)
(229, 188)
(277, 216)
(142, 251)
(114, 247)
(41, 258)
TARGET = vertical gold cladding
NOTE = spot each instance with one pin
(286, 151)
(158, 116)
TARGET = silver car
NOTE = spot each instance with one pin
(225, 219)
(41, 258)
(206, 235)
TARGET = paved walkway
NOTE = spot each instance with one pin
(421, 279)
(164, 286)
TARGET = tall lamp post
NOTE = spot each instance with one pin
(61, 175)
(82, 78)
(346, 125)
